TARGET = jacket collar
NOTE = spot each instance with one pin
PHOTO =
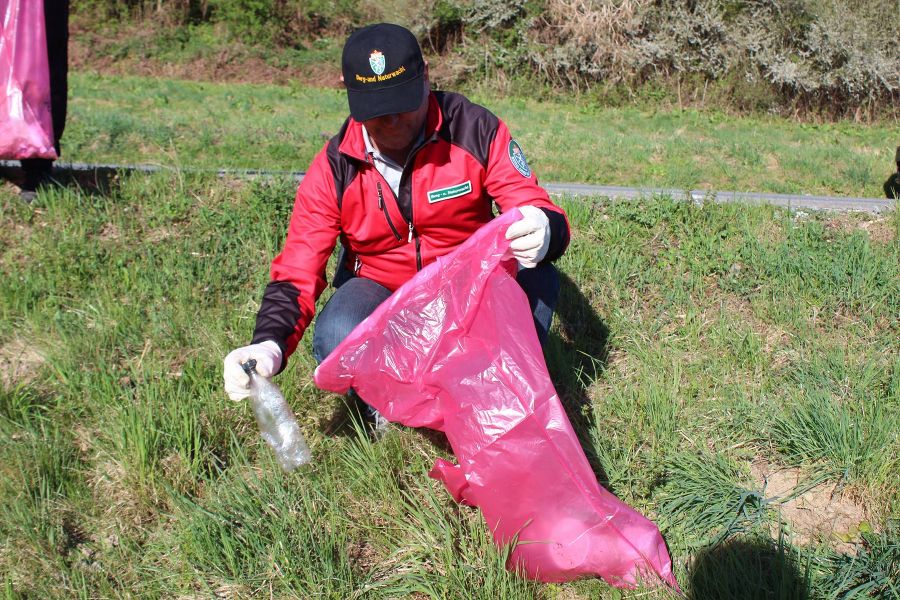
(354, 145)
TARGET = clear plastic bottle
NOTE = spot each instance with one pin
(277, 423)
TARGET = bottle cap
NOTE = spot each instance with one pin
(249, 366)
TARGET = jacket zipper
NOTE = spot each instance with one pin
(412, 233)
(412, 230)
(387, 217)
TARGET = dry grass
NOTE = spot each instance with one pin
(568, 27)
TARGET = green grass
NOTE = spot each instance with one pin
(177, 123)
(689, 342)
(217, 125)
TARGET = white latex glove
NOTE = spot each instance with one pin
(530, 236)
(268, 360)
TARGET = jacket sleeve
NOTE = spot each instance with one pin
(298, 272)
(511, 183)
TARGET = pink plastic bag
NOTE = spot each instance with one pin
(26, 125)
(455, 349)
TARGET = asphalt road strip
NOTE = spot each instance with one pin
(790, 201)
(99, 176)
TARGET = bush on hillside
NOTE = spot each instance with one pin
(799, 54)
(807, 53)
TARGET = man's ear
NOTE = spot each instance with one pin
(426, 69)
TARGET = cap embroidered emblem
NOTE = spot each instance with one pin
(376, 61)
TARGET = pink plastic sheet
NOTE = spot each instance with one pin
(455, 349)
(26, 125)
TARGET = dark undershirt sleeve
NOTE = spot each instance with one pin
(278, 314)
(559, 235)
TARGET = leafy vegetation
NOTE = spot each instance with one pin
(786, 56)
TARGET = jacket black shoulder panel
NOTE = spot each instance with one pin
(342, 169)
(467, 125)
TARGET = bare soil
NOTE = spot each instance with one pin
(19, 363)
(822, 514)
(880, 230)
(110, 233)
(231, 64)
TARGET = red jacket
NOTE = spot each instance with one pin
(467, 162)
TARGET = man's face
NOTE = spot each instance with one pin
(397, 132)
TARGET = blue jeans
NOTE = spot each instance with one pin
(357, 298)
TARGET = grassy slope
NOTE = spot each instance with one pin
(691, 342)
(128, 119)
(700, 341)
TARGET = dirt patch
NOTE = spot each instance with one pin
(823, 513)
(110, 232)
(85, 439)
(880, 230)
(227, 591)
(221, 70)
(124, 504)
(570, 594)
(102, 52)
(8, 188)
(19, 363)
(363, 556)
(158, 234)
(231, 64)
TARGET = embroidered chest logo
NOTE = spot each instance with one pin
(517, 158)
(376, 61)
(454, 191)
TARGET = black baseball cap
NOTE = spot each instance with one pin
(383, 69)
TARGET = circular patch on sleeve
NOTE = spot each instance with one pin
(517, 158)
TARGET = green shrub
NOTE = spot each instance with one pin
(762, 55)
(285, 23)
(806, 54)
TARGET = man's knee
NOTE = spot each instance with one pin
(347, 308)
(327, 334)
